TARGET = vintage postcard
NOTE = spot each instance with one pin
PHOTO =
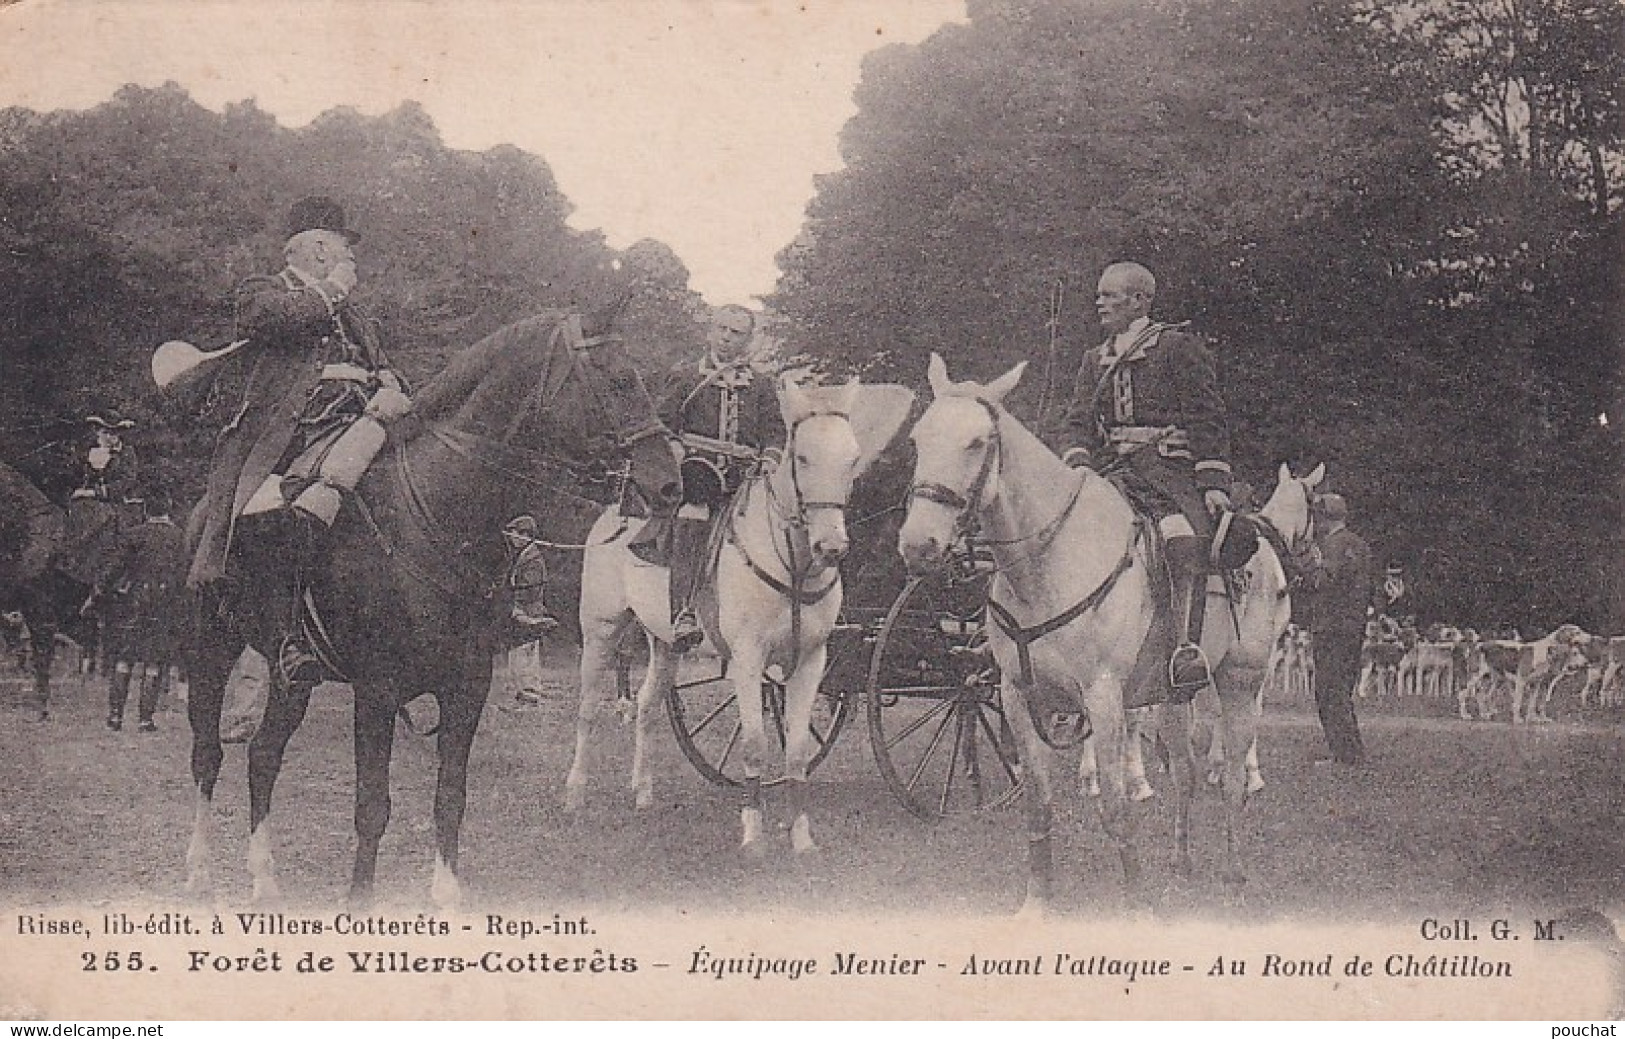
(1035, 509)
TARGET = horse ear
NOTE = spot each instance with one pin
(1316, 475)
(1284, 475)
(998, 388)
(793, 404)
(937, 373)
(879, 412)
(846, 396)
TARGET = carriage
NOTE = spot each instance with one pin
(909, 653)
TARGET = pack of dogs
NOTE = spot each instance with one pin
(1481, 673)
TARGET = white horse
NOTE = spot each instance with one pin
(1290, 529)
(1073, 574)
(772, 600)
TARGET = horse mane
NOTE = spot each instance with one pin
(450, 389)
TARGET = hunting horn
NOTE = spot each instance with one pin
(177, 357)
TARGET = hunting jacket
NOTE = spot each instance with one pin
(527, 583)
(1341, 583)
(292, 332)
(1169, 381)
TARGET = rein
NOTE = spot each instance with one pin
(793, 525)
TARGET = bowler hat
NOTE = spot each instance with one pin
(319, 213)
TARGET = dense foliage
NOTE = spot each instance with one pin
(130, 224)
(1391, 288)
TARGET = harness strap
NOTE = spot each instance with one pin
(1024, 637)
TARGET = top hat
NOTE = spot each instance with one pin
(319, 213)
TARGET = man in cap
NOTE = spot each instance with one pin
(1341, 587)
(318, 395)
(1147, 399)
(527, 610)
(725, 411)
(144, 610)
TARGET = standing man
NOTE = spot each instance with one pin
(527, 612)
(319, 393)
(1341, 586)
(144, 611)
(725, 412)
(1147, 399)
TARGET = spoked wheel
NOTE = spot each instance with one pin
(705, 717)
(936, 724)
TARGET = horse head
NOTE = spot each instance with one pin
(565, 386)
(834, 434)
(1289, 509)
(957, 445)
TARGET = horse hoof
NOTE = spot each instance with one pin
(267, 892)
(575, 799)
(1213, 777)
(753, 852)
(1184, 868)
(643, 800)
(1140, 790)
(359, 900)
(1255, 783)
(445, 889)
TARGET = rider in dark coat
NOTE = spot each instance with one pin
(1148, 399)
(317, 371)
(722, 399)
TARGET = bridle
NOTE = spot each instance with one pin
(968, 506)
(793, 524)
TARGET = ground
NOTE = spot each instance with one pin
(1450, 817)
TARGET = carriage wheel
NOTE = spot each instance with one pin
(705, 718)
(936, 725)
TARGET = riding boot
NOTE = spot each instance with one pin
(1188, 671)
(688, 541)
(118, 694)
(151, 686)
(307, 551)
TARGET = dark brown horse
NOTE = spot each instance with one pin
(410, 596)
(51, 560)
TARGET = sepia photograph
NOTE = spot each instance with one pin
(812, 509)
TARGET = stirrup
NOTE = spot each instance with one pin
(686, 633)
(1188, 672)
(299, 666)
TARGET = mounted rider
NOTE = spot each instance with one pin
(318, 397)
(1147, 400)
(725, 411)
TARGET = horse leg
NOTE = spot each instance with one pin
(1139, 788)
(42, 651)
(284, 712)
(657, 683)
(206, 693)
(459, 719)
(1037, 800)
(801, 690)
(1175, 723)
(374, 746)
(600, 639)
(1089, 768)
(1119, 816)
(745, 671)
(1239, 720)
